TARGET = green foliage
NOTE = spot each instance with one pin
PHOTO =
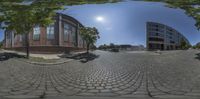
(22, 17)
(197, 46)
(103, 47)
(194, 47)
(192, 8)
(109, 47)
(93, 47)
(184, 45)
(90, 35)
(1, 44)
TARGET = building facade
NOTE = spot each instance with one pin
(163, 37)
(61, 36)
(131, 47)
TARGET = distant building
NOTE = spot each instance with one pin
(125, 47)
(163, 37)
(138, 47)
(61, 36)
(131, 47)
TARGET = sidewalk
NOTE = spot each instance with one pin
(44, 56)
(44, 59)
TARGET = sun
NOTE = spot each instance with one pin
(100, 18)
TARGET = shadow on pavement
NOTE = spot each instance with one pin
(82, 57)
(198, 56)
(5, 56)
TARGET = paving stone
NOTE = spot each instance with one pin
(91, 87)
(116, 89)
(111, 74)
(107, 94)
(99, 87)
(105, 90)
(86, 94)
(108, 87)
(93, 91)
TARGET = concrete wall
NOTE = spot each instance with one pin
(163, 37)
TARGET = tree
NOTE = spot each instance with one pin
(197, 45)
(103, 47)
(90, 36)
(194, 47)
(184, 44)
(21, 16)
(93, 47)
(1, 44)
(192, 8)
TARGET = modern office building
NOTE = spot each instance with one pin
(163, 37)
(61, 36)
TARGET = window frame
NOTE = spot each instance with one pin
(36, 31)
(70, 33)
(66, 28)
(74, 35)
(50, 34)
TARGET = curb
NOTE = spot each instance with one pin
(42, 63)
(21, 97)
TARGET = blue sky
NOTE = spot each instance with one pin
(125, 22)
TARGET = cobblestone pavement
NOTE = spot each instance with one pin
(173, 74)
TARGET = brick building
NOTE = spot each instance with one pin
(61, 36)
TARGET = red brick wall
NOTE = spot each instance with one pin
(44, 44)
(47, 49)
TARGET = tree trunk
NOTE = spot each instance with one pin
(27, 46)
(88, 47)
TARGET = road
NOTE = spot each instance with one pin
(135, 75)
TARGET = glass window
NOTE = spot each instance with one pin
(74, 35)
(70, 33)
(66, 31)
(36, 33)
(50, 32)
